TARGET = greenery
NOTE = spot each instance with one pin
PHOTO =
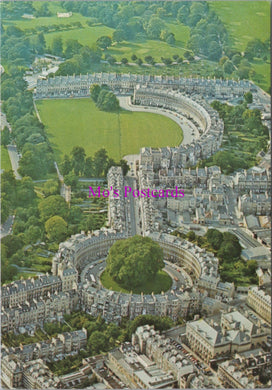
(104, 99)
(5, 160)
(227, 248)
(161, 282)
(119, 133)
(14, 340)
(244, 136)
(102, 336)
(134, 262)
(234, 15)
(119, 31)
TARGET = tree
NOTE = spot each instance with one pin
(191, 235)
(125, 167)
(33, 234)
(66, 165)
(149, 60)
(134, 261)
(118, 35)
(95, 90)
(72, 47)
(107, 101)
(248, 97)
(139, 61)
(230, 248)
(170, 39)
(104, 42)
(56, 229)
(214, 51)
(52, 206)
(134, 57)
(71, 180)
(97, 342)
(215, 238)
(167, 61)
(100, 162)
(25, 191)
(31, 164)
(228, 67)
(124, 60)
(89, 167)
(41, 43)
(5, 136)
(57, 46)
(255, 48)
(78, 159)
(12, 244)
(154, 28)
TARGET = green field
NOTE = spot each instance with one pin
(162, 282)
(86, 36)
(244, 20)
(78, 122)
(5, 161)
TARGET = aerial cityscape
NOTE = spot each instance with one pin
(135, 195)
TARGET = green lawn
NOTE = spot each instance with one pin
(87, 36)
(244, 20)
(79, 122)
(162, 282)
(5, 161)
(24, 24)
(154, 48)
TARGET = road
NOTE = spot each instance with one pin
(14, 159)
(4, 122)
(96, 267)
(130, 207)
(6, 228)
(190, 132)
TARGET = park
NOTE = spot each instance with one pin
(80, 122)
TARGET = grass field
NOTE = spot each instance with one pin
(244, 20)
(86, 36)
(78, 122)
(162, 282)
(5, 161)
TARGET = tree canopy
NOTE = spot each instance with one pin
(134, 261)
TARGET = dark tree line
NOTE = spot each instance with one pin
(96, 166)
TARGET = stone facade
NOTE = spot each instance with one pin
(260, 302)
(234, 333)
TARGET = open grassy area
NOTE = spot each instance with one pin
(162, 282)
(5, 161)
(244, 20)
(87, 36)
(78, 122)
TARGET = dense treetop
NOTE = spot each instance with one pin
(134, 261)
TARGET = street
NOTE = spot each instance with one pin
(14, 159)
(6, 227)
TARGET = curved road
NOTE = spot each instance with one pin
(187, 127)
(95, 268)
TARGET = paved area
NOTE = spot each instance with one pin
(14, 159)
(190, 131)
(6, 228)
(91, 273)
